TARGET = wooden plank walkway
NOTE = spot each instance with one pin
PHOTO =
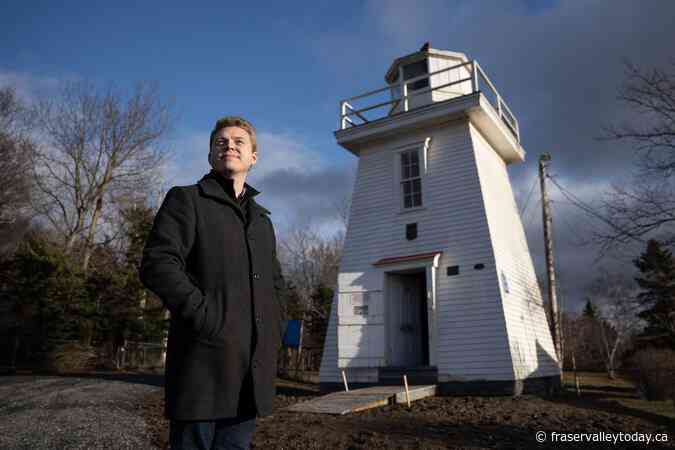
(361, 399)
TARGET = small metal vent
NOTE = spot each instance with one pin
(453, 270)
(411, 231)
(361, 310)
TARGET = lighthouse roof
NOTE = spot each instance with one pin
(425, 52)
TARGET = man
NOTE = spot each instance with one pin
(211, 259)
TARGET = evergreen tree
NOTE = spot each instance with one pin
(48, 285)
(125, 309)
(138, 219)
(658, 293)
(590, 310)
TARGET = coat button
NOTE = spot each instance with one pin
(256, 276)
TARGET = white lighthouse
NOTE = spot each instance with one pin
(436, 279)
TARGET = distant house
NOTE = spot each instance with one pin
(436, 279)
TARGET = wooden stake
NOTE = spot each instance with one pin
(344, 379)
(576, 377)
(407, 391)
(298, 359)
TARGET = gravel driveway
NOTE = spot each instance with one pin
(93, 412)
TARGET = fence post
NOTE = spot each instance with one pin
(404, 92)
(343, 112)
(474, 77)
(517, 130)
(404, 88)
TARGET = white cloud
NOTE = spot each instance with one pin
(188, 160)
(27, 86)
(284, 151)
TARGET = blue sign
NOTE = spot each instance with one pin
(293, 333)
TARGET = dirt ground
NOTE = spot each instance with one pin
(440, 423)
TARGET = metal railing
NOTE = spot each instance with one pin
(351, 116)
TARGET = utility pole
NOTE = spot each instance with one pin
(548, 246)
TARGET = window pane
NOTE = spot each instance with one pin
(405, 165)
(415, 170)
(406, 172)
(406, 187)
(417, 199)
(416, 185)
(414, 157)
(407, 201)
(413, 70)
(419, 84)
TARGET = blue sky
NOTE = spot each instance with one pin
(286, 65)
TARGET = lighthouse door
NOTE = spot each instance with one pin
(407, 328)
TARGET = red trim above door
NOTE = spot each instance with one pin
(407, 258)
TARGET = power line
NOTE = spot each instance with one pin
(527, 200)
(572, 198)
(533, 213)
(570, 236)
(588, 209)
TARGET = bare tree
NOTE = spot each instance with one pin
(632, 212)
(615, 296)
(99, 144)
(342, 210)
(16, 148)
(310, 261)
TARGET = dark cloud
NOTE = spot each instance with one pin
(296, 195)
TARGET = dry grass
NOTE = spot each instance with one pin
(621, 390)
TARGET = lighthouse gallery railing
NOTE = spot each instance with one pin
(478, 79)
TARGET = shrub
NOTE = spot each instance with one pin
(72, 357)
(655, 373)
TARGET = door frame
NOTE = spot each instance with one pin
(428, 265)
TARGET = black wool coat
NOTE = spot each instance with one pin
(219, 276)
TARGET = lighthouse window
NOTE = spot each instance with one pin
(411, 183)
(415, 70)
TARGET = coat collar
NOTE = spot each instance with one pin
(211, 188)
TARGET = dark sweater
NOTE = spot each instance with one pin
(228, 185)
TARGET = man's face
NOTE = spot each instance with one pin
(231, 152)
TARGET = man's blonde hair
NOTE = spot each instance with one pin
(234, 121)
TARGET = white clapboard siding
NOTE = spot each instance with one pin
(530, 340)
(361, 336)
(328, 371)
(437, 63)
(473, 341)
